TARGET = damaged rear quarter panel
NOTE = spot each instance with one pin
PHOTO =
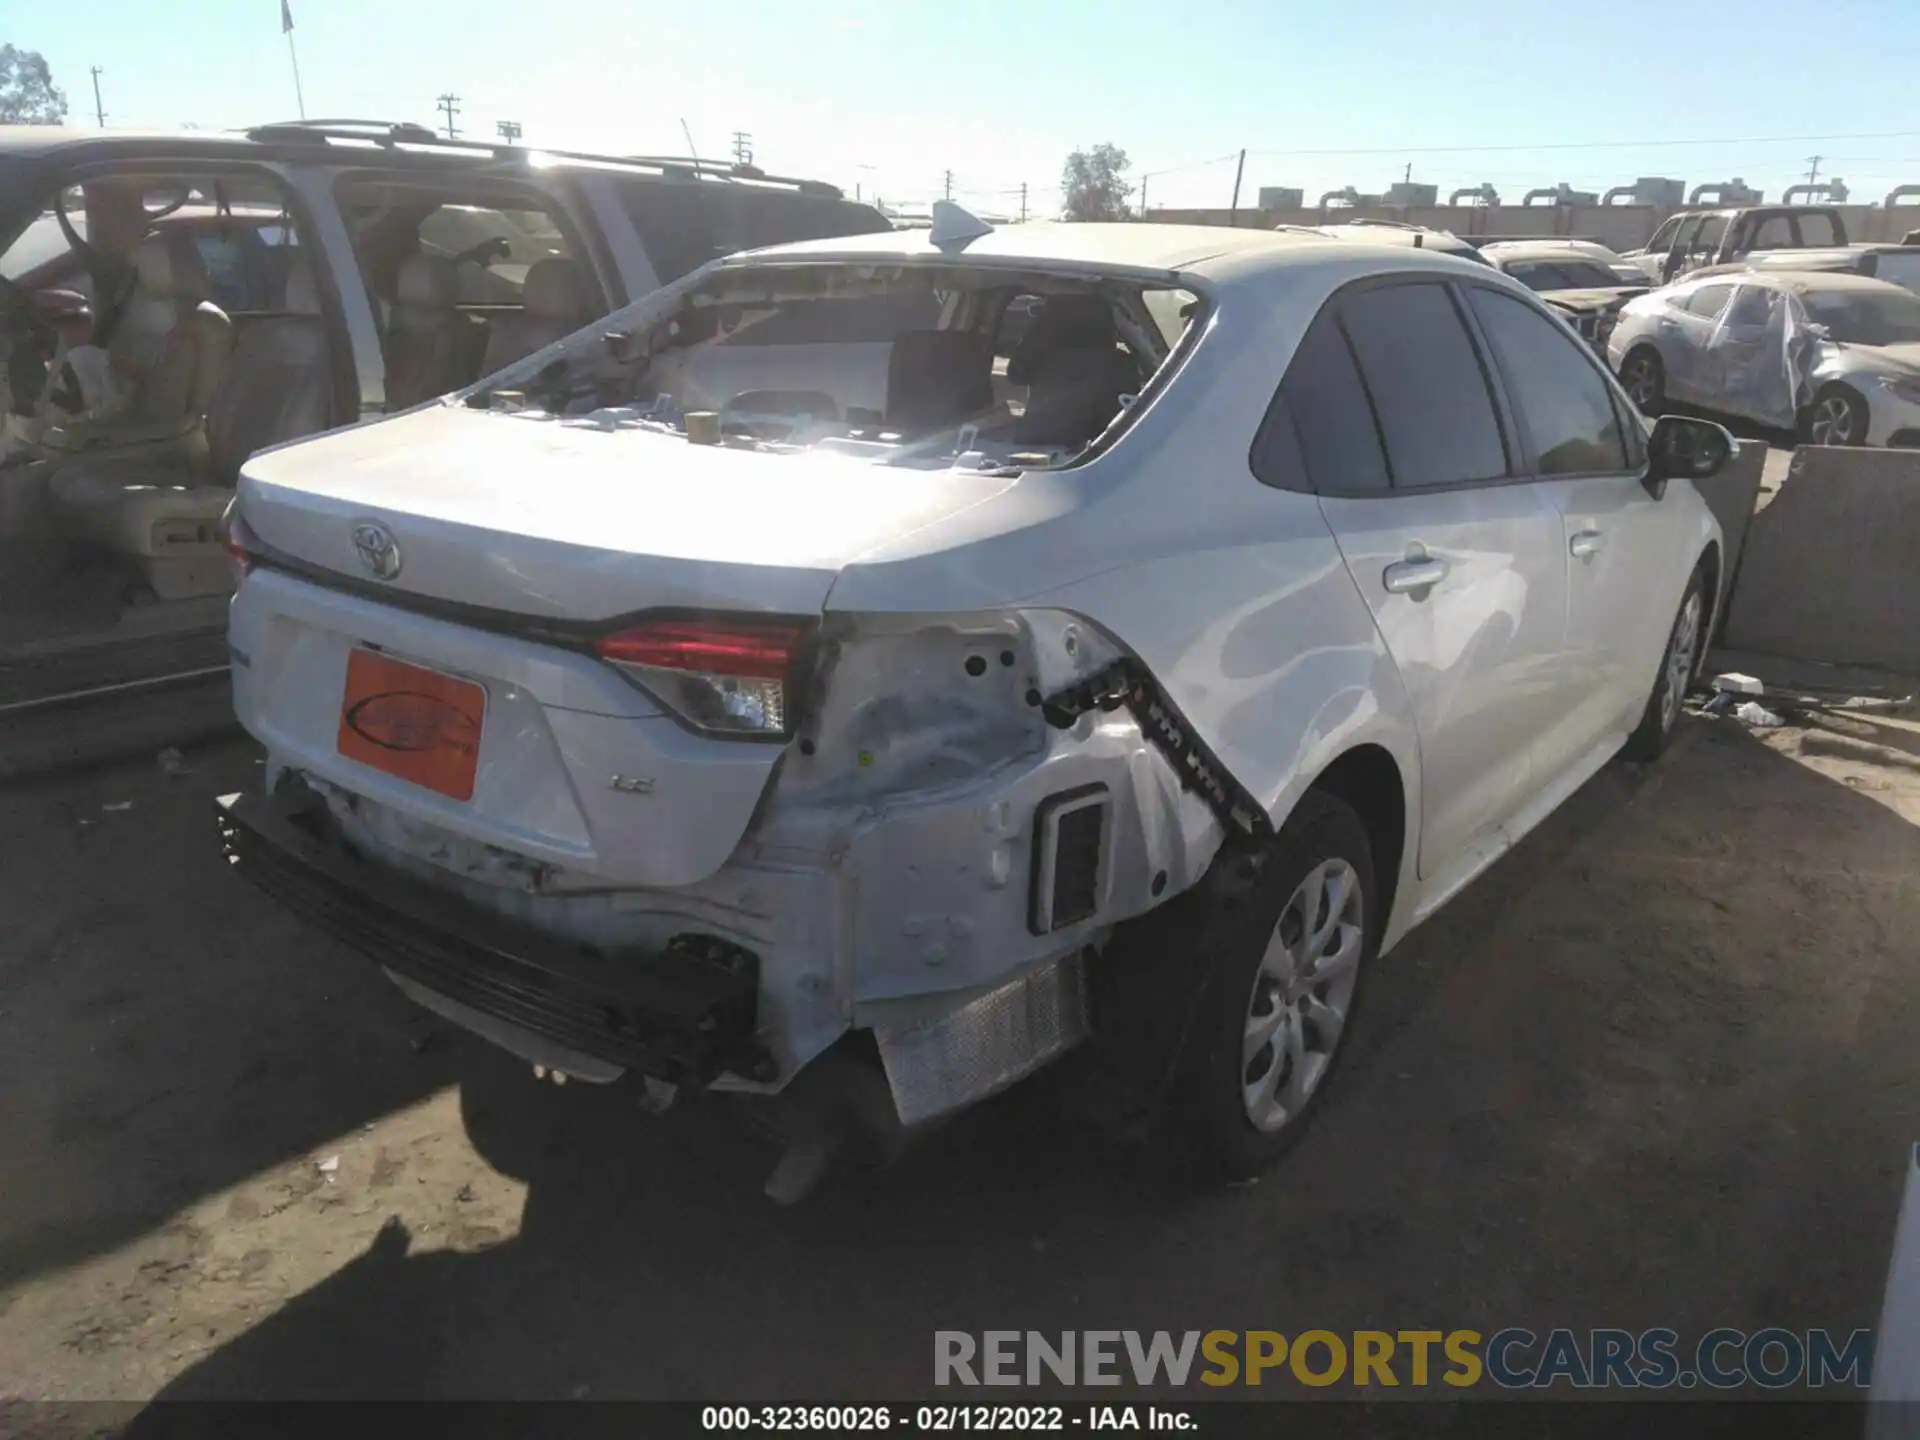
(1232, 594)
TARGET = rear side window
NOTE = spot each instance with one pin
(1568, 408)
(1320, 433)
(1817, 229)
(684, 224)
(1428, 389)
(1708, 301)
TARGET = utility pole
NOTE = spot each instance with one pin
(1143, 195)
(450, 107)
(1023, 202)
(509, 131)
(99, 110)
(1813, 168)
(949, 183)
(1233, 215)
(1408, 177)
(742, 148)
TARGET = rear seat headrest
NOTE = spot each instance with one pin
(429, 280)
(556, 289)
(170, 267)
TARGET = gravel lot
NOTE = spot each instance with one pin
(1656, 1068)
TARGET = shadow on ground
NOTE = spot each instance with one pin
(1650, 1071)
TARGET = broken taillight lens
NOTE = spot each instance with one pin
(723, 676)
(234, 539)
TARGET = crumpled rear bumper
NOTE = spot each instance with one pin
(684, 1014)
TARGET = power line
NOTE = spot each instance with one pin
(450, 107)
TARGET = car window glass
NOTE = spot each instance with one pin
(1706, 240)
(1424, 377)
(39, 245)
(1709, 300)
(246, 264)
(1663, 237)
(861, 320)
(1320, 432)
(1688, 229)
(1775, 232)
(1567, 406)
(1817, 229)
(492, 250)
(684, 224)
(1749, 307)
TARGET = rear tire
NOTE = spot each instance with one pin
(1838, 416)
(1286, 947)
(1679, 663)
(1643, 376)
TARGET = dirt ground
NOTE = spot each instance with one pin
(1656, 1068)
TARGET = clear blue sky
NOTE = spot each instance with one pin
(888, 96)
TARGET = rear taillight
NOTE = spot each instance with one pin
(235, 539)
(724, 676)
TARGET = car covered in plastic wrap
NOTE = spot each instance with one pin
(801, 685)
(1832, 356)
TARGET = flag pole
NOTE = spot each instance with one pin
(286, 28)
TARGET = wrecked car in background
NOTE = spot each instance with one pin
(1833, 357)
(1695, 239)
(1587, 292)
(1625, 271)
(682, 708)
(171, 303)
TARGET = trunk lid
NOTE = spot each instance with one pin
(572, 766)
(586, 519)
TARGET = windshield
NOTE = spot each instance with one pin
(909, 364)
(1562, 275)
(1869, 318)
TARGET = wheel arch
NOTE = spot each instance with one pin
(1369, 779)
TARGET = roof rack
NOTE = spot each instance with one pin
(389, 133)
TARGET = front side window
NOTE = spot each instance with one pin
(1421, 370)
(1706, 240)
(1662, 240)
(1749, 308)
(1567, 406)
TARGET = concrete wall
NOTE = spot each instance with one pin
(1624, 227)
(1829, 572)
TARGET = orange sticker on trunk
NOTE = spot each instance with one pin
(411, 722)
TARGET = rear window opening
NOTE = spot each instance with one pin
(910, 364)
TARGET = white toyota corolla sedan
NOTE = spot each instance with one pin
(798, 683)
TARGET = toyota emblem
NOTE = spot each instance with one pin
(378, 550)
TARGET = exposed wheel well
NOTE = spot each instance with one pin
(1709, 568)
(1367, 778)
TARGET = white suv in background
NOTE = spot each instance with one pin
(668, 710)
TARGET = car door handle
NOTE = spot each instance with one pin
(1406, 576)
(1587, 544)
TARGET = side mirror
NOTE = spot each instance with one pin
(1817, 331)
(1682, 448)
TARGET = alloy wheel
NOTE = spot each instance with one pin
(1835, 421)
(1302, 994)
(1682, 651)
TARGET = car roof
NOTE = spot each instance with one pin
(1559, 252)
(1832, 281)
(358, 141)
(1061, 243)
